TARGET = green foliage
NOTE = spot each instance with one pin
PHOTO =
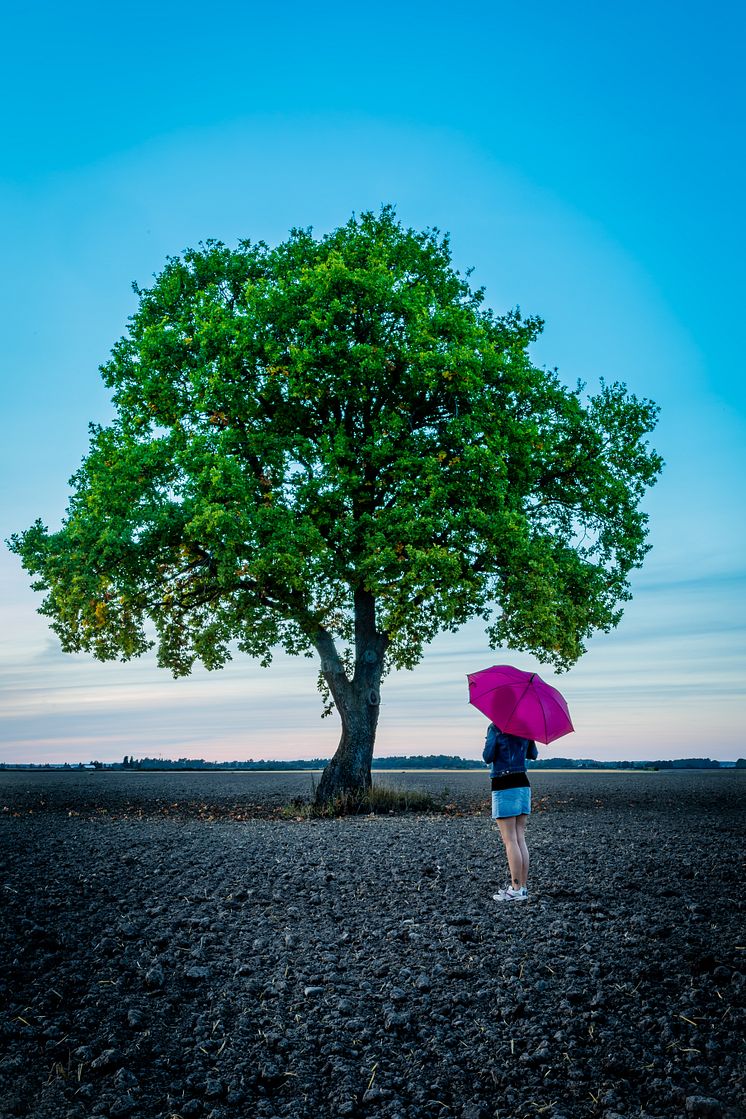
(298, 424)
(378, 799)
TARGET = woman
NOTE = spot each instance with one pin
(511, 803)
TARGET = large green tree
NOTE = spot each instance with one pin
(334, 447)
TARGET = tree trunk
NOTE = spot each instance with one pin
(349, 769)
(357, 701)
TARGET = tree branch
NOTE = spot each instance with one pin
(332, 667)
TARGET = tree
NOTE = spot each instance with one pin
(334, 447)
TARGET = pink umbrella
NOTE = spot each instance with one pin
(520, 703)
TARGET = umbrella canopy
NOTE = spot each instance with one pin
(520, 703)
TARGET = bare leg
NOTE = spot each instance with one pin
(520, 827)
(512, 850)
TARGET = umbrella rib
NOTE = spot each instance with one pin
(480, 689)
(519, 700)
(565, 714)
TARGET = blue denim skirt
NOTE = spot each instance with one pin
(511, 802)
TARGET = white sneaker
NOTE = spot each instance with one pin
(509, 894)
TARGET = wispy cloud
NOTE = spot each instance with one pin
(669, 682)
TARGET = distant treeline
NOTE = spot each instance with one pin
(420, 761)
(430, 761)
(677, 763)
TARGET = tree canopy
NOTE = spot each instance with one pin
(332, 445)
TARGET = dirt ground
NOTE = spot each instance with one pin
(171, 946)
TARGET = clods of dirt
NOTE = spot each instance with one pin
(157, 967)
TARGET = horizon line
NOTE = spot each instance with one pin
(305, 763)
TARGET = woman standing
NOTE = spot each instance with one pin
(511, 803)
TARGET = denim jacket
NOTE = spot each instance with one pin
(506, 752)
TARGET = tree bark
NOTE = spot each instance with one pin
(357, 701)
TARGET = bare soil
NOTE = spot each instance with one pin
(172, 947)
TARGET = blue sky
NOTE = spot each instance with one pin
(587, 161)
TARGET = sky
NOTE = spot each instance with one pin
(587, 161)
